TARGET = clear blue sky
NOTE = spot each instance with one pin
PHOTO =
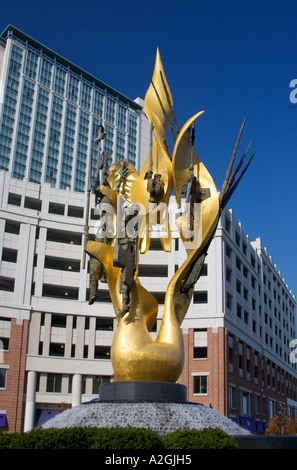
(233, 59)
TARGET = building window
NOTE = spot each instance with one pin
(98, 381)
(271, 408)
(228, 225)
(14, 199)
(32, 203)
(231, 396)
(200, 297)
(152, 270)
(4, 344)
(56, 208)
(240, 358)
(200, 384)
(257, 404)
(54, 383)
(200, 344)
(57, 349)
(59, 236)
(58, 321)
(3, 373)
(9, 255)
(12, 226)
(228, 274)
(245, 402)
(110, 110)
(6, 284)
(228, 251)
(60, 292)
(156, 244)
(102, 352)
(229, 301)
(62, 264)
(105, 324)
(246, 317)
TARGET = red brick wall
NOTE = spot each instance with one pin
(214, 366)
(11, 399)
(263, 385)
(219, 375)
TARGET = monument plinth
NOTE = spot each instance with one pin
(132, 391)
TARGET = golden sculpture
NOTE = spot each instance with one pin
(141, 201)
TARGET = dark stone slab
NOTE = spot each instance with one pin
(266, 442)
(143, 391)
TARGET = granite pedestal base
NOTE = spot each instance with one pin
(143, 391)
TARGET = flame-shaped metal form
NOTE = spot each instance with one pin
(135, 355)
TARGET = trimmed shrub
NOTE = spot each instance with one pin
(127, 438)
(82, 438)
(208, 438)
(116, 438)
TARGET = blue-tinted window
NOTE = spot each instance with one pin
(23, 134)
(121, 121)
(85, 96)
(98, 103)
(82, 152)
(72, 92)
(59, 84)
(31, 65)
(109, 110)
(94, 149)
(54, 141)
(45, 73)
(132, 138)
(9, 105)
(108, 141)
(120, 147)
(39, 136)
(68, 146)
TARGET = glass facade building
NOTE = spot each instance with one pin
(49, 116)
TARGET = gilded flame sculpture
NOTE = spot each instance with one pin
(130, 204)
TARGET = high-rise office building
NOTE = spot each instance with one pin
(49, 116)
(54, 347)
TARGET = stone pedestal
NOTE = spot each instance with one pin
(143, 391)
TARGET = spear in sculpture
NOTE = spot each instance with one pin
(101, 135)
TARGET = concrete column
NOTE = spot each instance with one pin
(30, 401)
(76, 389)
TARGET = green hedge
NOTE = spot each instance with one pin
(82, 438)
(208, 438)
(116, 438)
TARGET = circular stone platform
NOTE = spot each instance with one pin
(161, 417)
(138, 391)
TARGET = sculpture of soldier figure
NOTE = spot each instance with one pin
(155, 187)
(125, 257)
(97, 271)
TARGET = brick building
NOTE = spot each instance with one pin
(239, 337)
(13, 348)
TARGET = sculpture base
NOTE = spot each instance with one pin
(168, 392)
(163, 418)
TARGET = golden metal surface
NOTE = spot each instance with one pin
(156, 106)
(134, 354)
